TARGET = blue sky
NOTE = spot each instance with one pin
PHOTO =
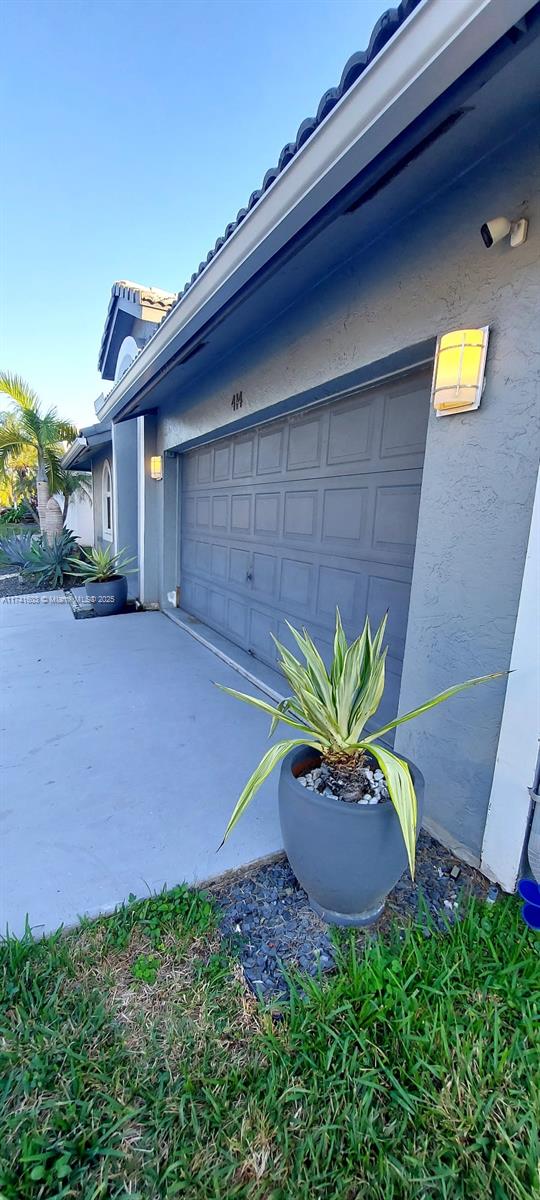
(132, 133)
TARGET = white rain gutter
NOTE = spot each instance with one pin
(429, 52)
(73, 451)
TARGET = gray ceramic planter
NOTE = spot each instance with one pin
(109, 597)
(348, 857)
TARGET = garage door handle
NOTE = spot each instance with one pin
(249, 575)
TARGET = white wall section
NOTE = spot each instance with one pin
(510, 803)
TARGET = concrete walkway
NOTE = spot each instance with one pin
(120, 763)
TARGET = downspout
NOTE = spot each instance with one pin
(533, 845)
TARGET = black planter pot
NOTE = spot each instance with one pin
(347, 857)
(109, 597)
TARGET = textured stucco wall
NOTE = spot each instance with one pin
(429, 275)
(80, 517)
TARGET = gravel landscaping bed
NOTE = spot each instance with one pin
(14, 584)
(266, 914)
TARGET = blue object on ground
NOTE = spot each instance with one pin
(529, 891)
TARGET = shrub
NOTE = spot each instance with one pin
(52, 561)
(16, 549)
(17, 514)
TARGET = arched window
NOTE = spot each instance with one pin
(107, 502)
(127, 352)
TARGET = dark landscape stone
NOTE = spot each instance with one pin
(267, 917)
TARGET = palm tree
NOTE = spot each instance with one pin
(26, 430)
(74, 483)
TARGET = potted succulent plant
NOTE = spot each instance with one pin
(104, 576)
(350, 807)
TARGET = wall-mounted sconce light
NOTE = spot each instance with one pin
(458, 375)
(156, 467)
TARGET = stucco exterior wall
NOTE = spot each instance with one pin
(80, 517)
(430, 274)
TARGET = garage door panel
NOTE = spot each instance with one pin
(265, 573)
(304, 447)
(296, 585)
(351, 433)
(189, 553)
(268, 518)
(270, 449)
(404, 423)
(220, 514)
(202, 512)
(262, 625)
(222, 463)
(345, 515)
(342, 587)
(239, 565)
(242, 457)
(219, 562)
(204, 465)
(203, 558)
(238, 619)
(288, 520)
(218, 609)
(300, 514)
(241, 513)
(200, 598)
(396, 520)
(188, 512)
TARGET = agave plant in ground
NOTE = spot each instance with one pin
(51, 561)
(329, 710)
(16, 548)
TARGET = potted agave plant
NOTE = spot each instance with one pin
(104, 576)
(350, 807)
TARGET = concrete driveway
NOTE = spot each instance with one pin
(120, 763)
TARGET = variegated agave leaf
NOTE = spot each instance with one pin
(330, 709)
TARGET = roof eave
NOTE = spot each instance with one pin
(73, 452)
(436, 44)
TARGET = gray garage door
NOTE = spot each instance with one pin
(297, 515)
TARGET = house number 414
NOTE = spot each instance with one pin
(236, 401)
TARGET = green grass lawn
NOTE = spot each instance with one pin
(135, 1063)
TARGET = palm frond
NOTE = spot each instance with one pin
(75, 483)
(12, 443)
(20, 391)
(52, 456)
(27, 430)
